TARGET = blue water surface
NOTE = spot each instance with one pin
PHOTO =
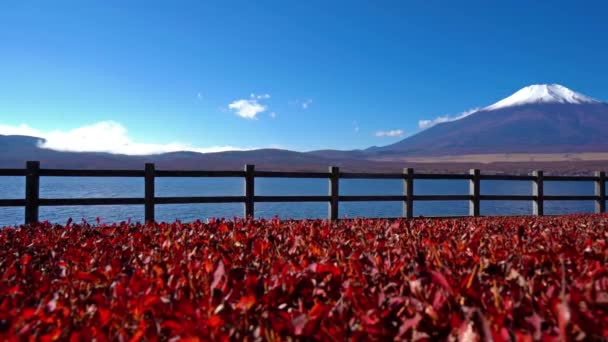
(79, 187)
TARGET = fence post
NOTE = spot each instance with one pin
(334, 188)
(149, 196)
(249, 190)
(474, 184)
(600, 191)
(408, 191)
(32, 191)
(538, 191)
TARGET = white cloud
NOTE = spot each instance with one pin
(306, 103)
(424, 124)
(260, 97)
(301, 103)
(104, 136)
(273, 115)
(390, 133)
(249, 108)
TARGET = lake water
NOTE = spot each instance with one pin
(64, 187)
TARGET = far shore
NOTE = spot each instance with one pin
(506, 157)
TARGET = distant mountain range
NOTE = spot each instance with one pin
(537, 119)
(15, 150)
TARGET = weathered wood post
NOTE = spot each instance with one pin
(334, 186)
(474, 184)
(149, 189)
(600, 191)
(32, 191)
(538, 205)
(408, 191)
(249, 190)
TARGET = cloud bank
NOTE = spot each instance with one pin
(390, 133)
(424, 124)
(104, 136)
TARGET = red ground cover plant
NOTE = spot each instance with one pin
(501, 279)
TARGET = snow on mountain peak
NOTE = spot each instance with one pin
(542, 93)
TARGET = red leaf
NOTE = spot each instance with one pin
(246, 302)
(25, 260)
(214, 321)
(298, 324)
(441, 280)
(174, 326)
(218, 275)
(409, 324)
(138, 335)
(150, 300)
(325, 268)
(104, 316)
(84, 276)
(28, 313)
(224, 228)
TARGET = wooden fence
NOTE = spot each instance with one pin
(33, 172)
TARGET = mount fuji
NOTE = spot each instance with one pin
(541, 118)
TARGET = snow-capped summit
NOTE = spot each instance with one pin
(542, 93)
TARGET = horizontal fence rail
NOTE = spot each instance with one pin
(32, 201)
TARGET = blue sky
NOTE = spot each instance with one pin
(314, 74)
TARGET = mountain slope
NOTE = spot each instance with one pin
(536, 119)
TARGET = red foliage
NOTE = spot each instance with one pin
(505, 279)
